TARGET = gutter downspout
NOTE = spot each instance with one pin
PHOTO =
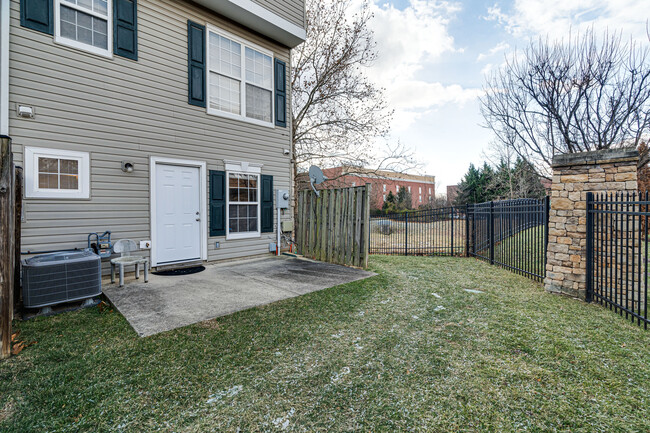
(4, 67)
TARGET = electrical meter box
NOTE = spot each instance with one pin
(282, 199)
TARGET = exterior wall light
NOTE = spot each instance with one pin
(127, 166)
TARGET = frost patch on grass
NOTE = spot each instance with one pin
(338, 376)
(415, 317)
(386, 301)
(338, 334)
(435, 295)
(473, 291)
(217, 396)
(361, 313)
(283, 421)
(439, 308)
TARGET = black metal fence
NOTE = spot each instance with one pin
(422, 232)
(617, 253)
(512, 234)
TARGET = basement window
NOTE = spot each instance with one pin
(52, 173)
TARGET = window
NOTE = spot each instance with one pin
(384, 197)
(397, 188)
(243, 203)
(51, 173)
(420, 190)
(239, 79)
(409, 189)
(420, 198)
(84, 24)
(429, 190)
(354, 184)
(384, 187)
(243, 200)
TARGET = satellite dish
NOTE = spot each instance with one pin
(316, 177)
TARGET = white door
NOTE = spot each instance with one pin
(178, 210)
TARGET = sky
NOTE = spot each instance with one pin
(434, 56)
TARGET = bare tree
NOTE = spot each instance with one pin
(570, 96)
(338, 114)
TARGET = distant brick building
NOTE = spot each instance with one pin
(422, 188)
(452, 193)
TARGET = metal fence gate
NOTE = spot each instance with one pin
(617, 253)
(512, 234)
(422, 232)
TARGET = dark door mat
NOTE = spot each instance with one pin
(181, 271)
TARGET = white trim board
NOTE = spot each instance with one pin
(260, 19)
(203, 194)
(4, 67)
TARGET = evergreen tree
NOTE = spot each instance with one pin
(390, 204)
(501, 183)
(404, 199)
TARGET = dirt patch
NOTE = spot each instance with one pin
(209, 324)
(7, 410)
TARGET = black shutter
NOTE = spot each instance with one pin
(280, 93)
(196, 63)
(125, 30)
(217, 203)
(37, 15)
(267, 204)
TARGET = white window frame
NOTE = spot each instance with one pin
(242, 82)
(32, 189)
(384, 187)
(240, 167)
(108, 52)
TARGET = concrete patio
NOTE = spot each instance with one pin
(170, 302)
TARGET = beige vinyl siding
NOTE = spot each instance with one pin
(291, 10)
(118, 109)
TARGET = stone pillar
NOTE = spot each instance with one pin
(601, 171)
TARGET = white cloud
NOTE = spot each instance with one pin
(414, 94)
(413, 99)
(409, 41)
(501, 46)
(408, 38)
(487, 69)
(557, 17)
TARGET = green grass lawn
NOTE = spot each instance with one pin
(376, 355)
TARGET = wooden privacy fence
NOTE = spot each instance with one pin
(9, 223)
(335, 226)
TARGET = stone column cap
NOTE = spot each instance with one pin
(604, 156)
